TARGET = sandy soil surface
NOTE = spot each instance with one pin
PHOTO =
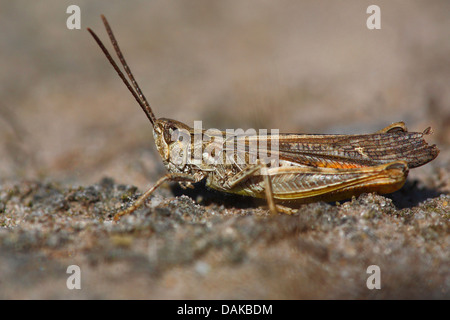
(75, 148)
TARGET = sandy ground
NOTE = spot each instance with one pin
(76, 147)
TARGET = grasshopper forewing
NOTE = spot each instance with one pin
(310, 167)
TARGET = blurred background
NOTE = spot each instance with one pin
(297, 66)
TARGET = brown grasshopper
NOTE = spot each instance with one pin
(309, 167)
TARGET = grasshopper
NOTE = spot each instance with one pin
(310, 167)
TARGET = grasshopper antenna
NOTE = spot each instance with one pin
(135, 89)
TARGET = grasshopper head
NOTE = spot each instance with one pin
(172, 139)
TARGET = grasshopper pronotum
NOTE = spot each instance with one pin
(311, 167)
